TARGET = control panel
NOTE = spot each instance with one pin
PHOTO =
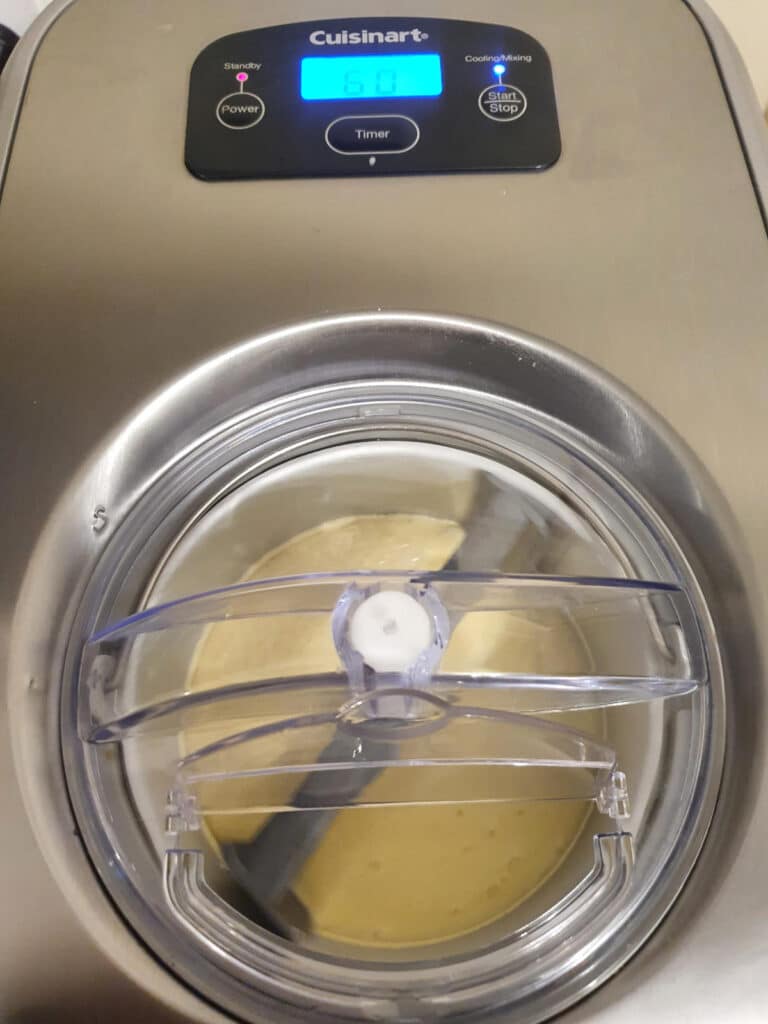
(371, 96)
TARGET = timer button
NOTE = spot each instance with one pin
(372, 133)
(240, 110)
(503, 102)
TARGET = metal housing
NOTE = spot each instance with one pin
(644, 250)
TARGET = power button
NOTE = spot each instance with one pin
(240, 109)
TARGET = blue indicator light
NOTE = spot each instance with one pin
(372, 77)
(499, 69)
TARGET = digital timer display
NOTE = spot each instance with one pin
(371, 77)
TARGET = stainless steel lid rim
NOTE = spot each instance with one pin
(598, 971)
(186, 411)
(384, 395)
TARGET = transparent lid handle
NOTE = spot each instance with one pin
(641, 642)
(395, 747)
(533, 951)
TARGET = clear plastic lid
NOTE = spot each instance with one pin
(639, 641)
(433, 773)
(400, 723)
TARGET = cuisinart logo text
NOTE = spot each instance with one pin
(346, 38)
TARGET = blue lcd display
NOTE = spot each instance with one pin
(371, 78)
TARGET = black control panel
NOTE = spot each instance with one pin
(371, 96)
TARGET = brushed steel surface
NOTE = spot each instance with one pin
(643, 250)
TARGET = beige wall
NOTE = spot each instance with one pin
(747, 21)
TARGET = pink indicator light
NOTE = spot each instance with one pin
(242, 77)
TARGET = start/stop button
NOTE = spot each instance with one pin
(503, 102)
(372, 133)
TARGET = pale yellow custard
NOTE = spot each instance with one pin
(395, 876)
